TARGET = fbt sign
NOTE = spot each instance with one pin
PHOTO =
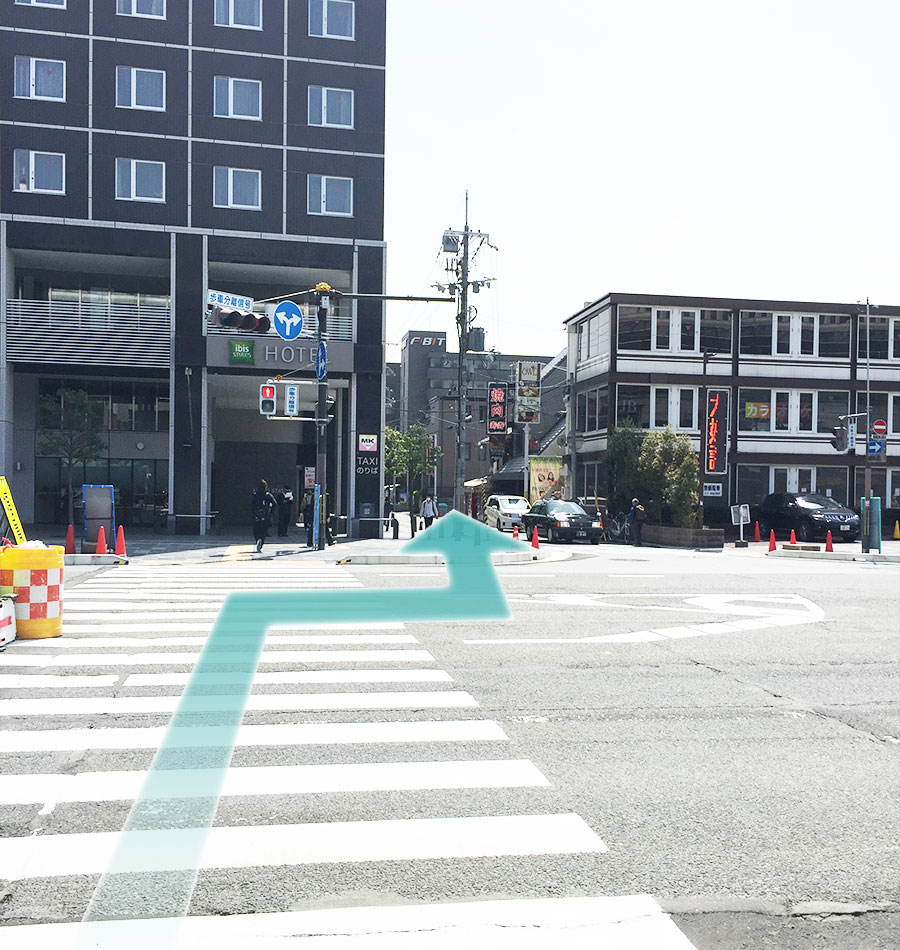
(437, 341)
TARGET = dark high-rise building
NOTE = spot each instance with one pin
(156, 154)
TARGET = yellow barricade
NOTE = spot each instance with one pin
(35, 576)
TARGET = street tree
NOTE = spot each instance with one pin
(623, 478)
(73, 431)
(669, 475)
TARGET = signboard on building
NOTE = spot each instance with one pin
(528, 391)
(545, 472)
(497, 408)
(240, 351)
(757, 410)
(715, 442)
(368, 443)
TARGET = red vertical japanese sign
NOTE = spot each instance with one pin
(497, 408)
(715, 447)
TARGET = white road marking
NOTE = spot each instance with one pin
(288, 734)
(166, 605)
(635, 575)
(275, 780)
(161, 624)
(633, 922)
(288, 676)
(139, 705)
(295, 639)
(189, 659)
(320, 843)
(38, 681)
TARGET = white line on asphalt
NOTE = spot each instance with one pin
(273, 780)
(36, 856)
(407, 573)
(636, 922)
(287, 676)
(38, 681)
(293, 639)
(132, 705)
(189, 659)
(635, 575)
(287, 734)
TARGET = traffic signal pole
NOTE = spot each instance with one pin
(321, 427)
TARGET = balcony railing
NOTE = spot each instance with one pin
(43, 331)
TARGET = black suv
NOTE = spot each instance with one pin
(810, 516)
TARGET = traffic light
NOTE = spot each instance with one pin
(238, 320)
(841, 441)
(267, 399)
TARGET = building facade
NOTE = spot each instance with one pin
(790, 370)
(153, 151)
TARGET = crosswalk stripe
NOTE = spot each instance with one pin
(275, 780)
(296, 639)
(129, 705)
(190, 658)
(122, 606)
(286, 734)
(64, 681)
(285, 676)
(403, 839)
(80, 625)
(630, 922)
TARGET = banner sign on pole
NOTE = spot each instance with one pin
(528, 391)
(497, 408)
(715, 447)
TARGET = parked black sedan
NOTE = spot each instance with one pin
(558, 520)
(810, 516)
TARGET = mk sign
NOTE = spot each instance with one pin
(497, 411)
(716, 442)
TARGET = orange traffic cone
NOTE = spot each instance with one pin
(534, 539)
(515, 532)
(896, 536)
(70, 540)
(828, 545)
(772, 544)
(756, 536)
(793, 537)
(120, 543)
(101, 541)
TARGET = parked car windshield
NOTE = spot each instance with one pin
(566, 507)
(817, 501)
(513, 503)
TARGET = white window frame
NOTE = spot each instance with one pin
(675, 401)
(231, 80)
(132, 196)
(31, 189)
(231, 170)
(231, 25)
(140, 69)
(329, 214)
(791, 341)
(132, 12)
(654, 346)
(41, 3)
(677, 328)
(325, 123)
(334, 36)
(32, 60)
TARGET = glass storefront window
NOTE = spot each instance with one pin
(831, 405)
(162, 409)
(122, 406)
(755, 410)
(634, 328)
(782, 412)
(633, 404)
(752, 484)
(831, 481)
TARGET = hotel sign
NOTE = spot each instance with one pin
(715, 443)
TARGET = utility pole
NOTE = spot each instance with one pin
(321, 515)
(458, 243)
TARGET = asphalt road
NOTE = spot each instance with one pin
(718, 731)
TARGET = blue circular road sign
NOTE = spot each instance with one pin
(288, 320)
(321, 360)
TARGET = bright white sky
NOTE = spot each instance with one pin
(709, 147)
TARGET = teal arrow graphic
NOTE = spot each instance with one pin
(153, 874)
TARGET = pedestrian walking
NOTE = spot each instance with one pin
(284, 498)
(429, 510)
(309, 515)
(636, 518)
(262, 509)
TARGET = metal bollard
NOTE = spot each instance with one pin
(395, 524)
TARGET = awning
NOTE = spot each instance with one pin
(475, 483)
(513, 470)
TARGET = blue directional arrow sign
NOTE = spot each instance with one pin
(321, 360)
(876, 446)
(155, 863)
(288, 320)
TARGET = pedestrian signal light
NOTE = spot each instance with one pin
(840, 442)
(267, 399)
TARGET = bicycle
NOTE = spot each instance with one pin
(618, 528)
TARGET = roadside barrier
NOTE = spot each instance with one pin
(35, 576)
(101, 541)
(896, 535)
(756, 536)
(515, 532)
(793, 537)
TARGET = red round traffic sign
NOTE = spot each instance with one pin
(879, 427)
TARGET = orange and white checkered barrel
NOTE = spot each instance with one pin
(35, 576)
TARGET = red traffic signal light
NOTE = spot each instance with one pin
(267, 399)
(238, 320)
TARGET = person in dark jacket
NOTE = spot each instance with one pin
(636, 518)
(284, 497)
(262, 508)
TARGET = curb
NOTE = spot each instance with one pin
(835, 556)
(98, 560)
(513, 557)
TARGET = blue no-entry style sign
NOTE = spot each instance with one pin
(321, 360)
(288, 320)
